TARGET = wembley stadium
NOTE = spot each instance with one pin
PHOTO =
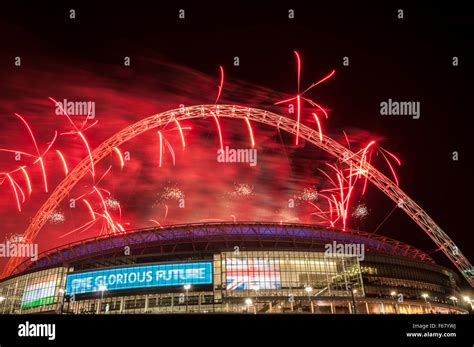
(250, 267)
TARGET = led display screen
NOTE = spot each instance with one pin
(145, 276)
(38, 294)
(252, 273)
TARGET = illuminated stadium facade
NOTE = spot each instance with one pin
(232, 268)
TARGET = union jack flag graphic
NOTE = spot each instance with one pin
(252, 273)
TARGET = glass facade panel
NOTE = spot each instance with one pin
(281, 273)
(260, 281)
(35, 292)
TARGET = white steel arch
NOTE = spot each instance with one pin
(411, 208)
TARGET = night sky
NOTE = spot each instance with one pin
(176, 61)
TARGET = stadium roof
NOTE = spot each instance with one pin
(208, 237)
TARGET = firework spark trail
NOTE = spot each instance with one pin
(221, 84)
(161, 149)
(122, 163)
(101, 198)
(89, 207)
(57, 104)
(391, 168)
(16, 151)
(343, 190)
(181, 133)
(330, 179)
(14, 191)
(82, 130)
(90, 126)
(20, 190)
(104, 175)
(166, 213)
(84, 123)
(78, 132)
(321, 212)
(341, 193)
(27, 179)
(299, 96)
(88, 151)
(362, 162)
(105, 191)
(320, 81)
(120, 211)
(395, 158)
(83, 228)
(45, 180)
(364, 156)
(156, 222)
(14, 186)
(171, 150)
(331, 211)
(312, 103)
(49, 147)
(110, 225)
(218, 129)
(366, 177)
(39, 158)
(346, 208)
(63, 160)
(90, 192)
(347, 139)
(249, 126)
(319, 127)
(392, 155)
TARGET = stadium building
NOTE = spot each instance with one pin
(243, 267)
